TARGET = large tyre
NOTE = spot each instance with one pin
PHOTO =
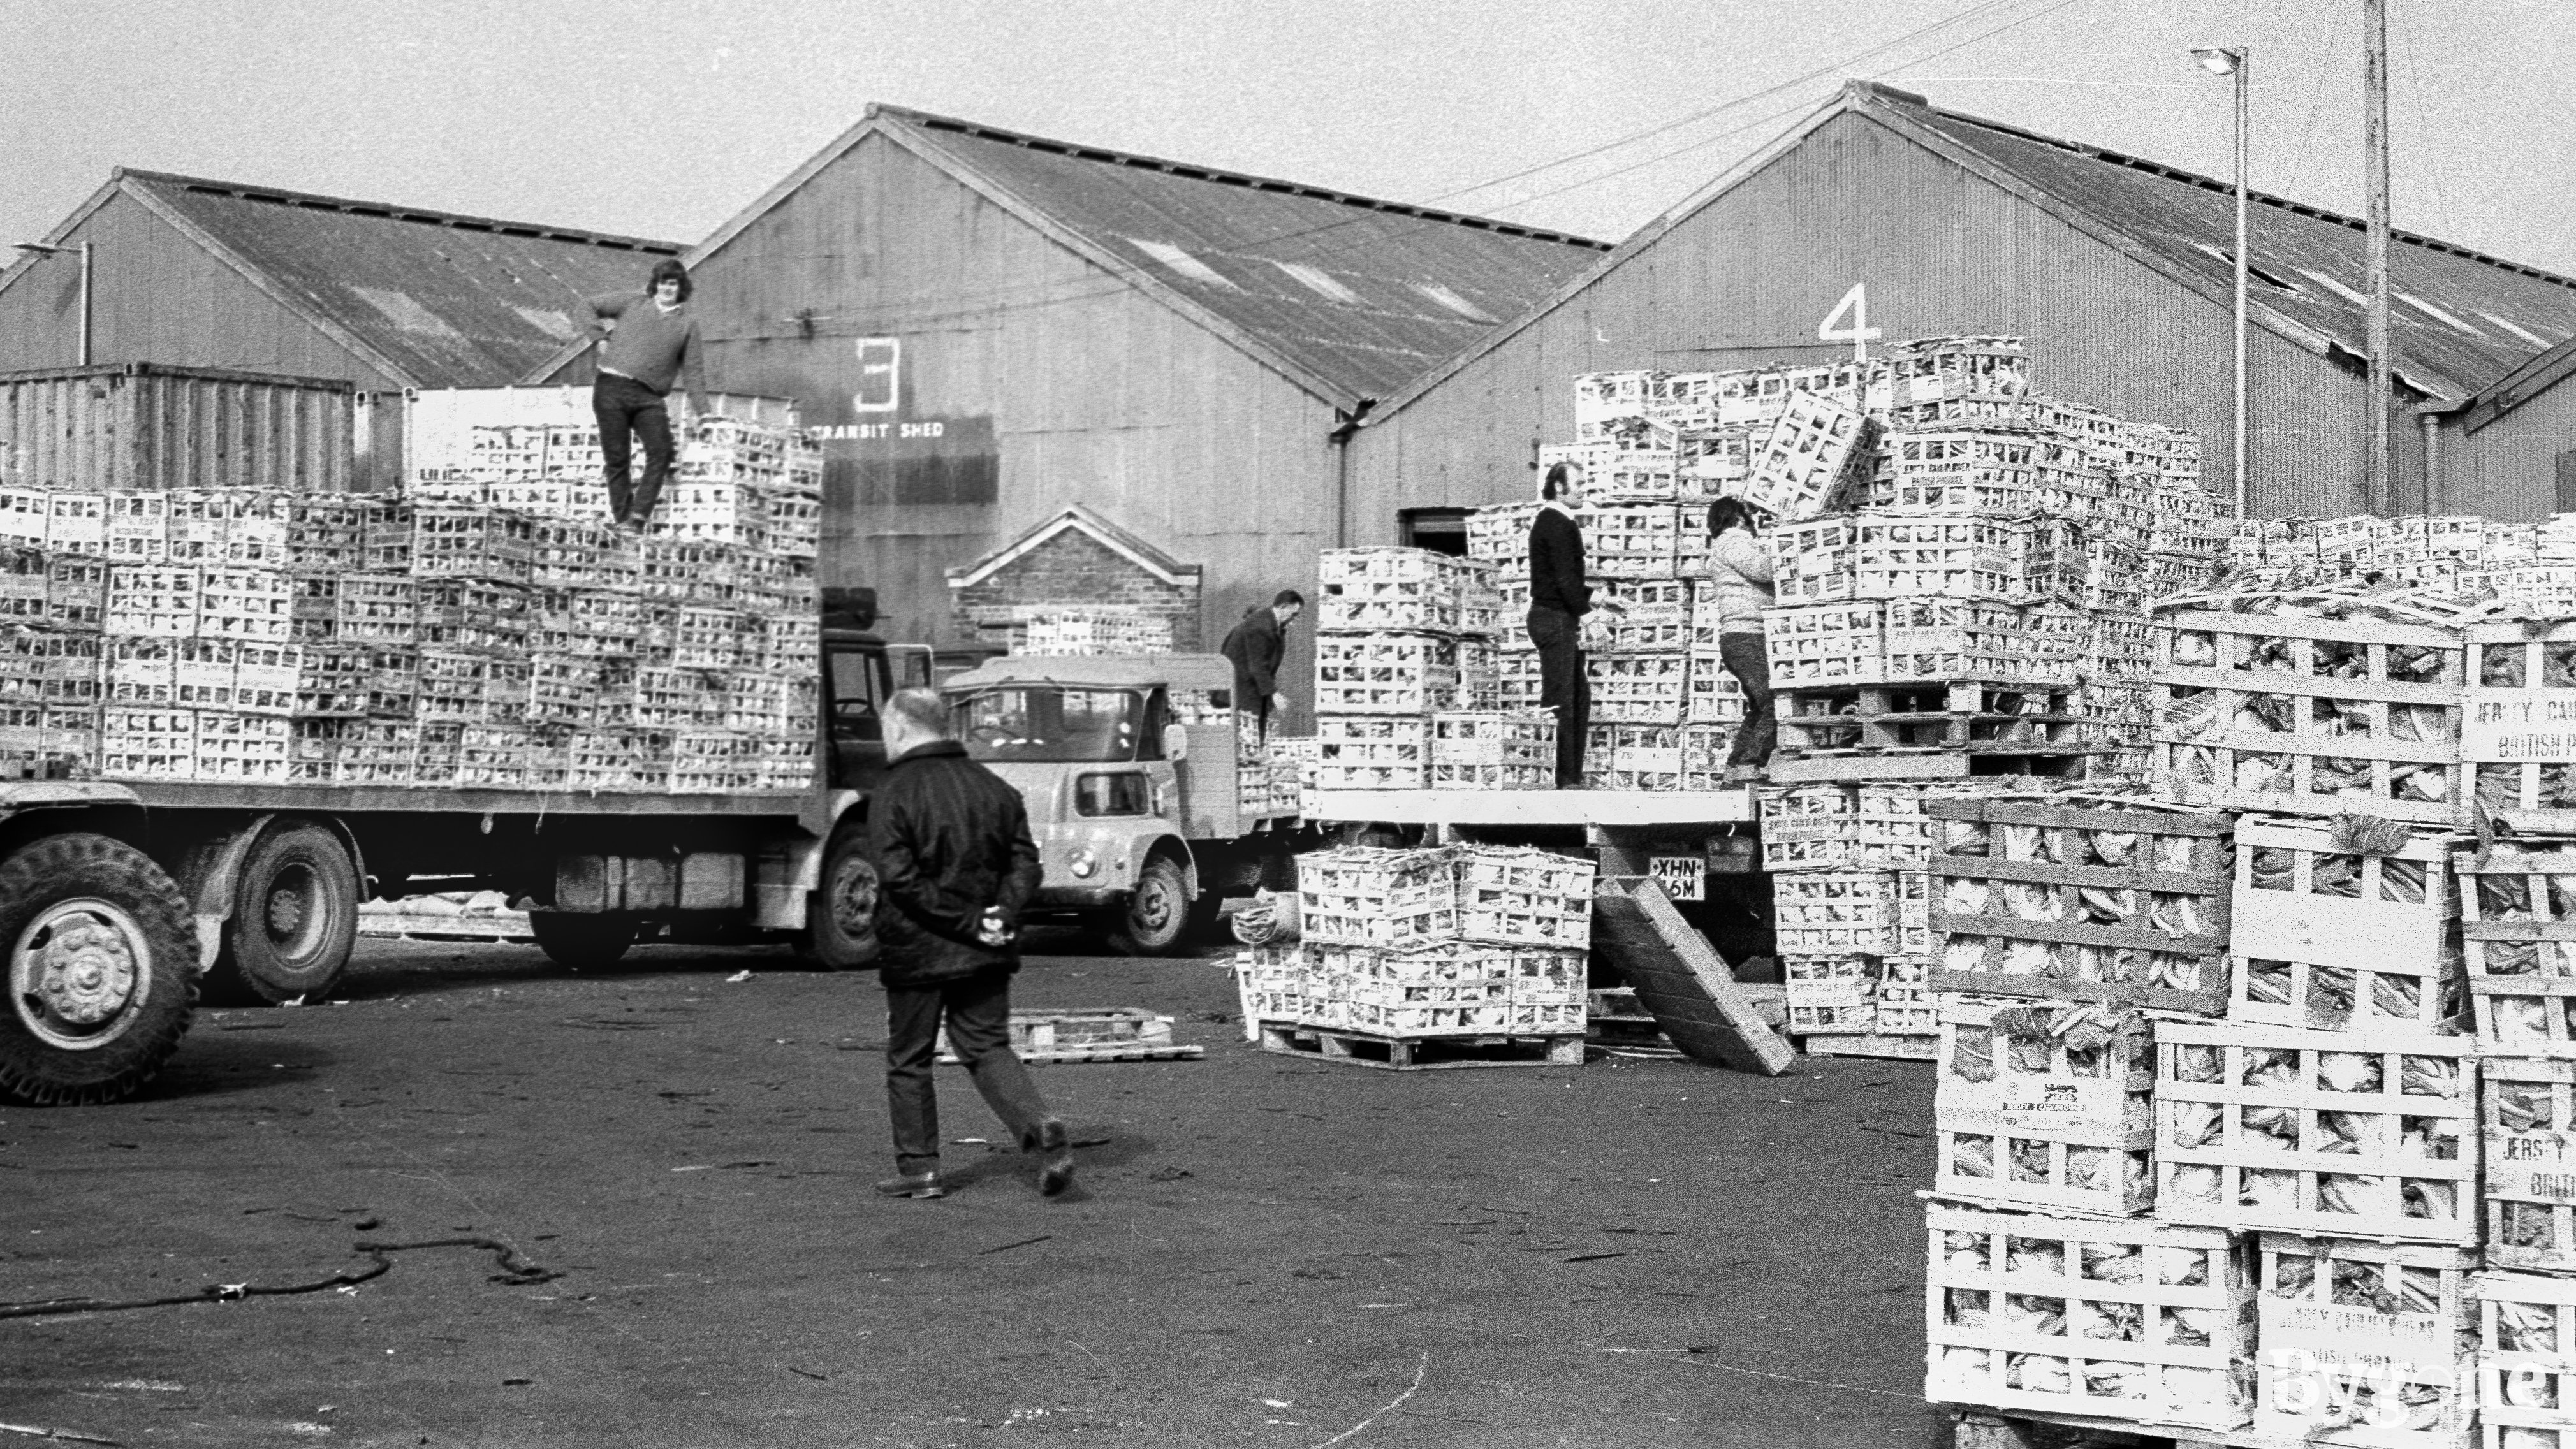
(294, 921)
(101, 960)
(1156, 920)
(582, 941)
(841, 918)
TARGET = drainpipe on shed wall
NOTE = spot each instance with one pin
(2433, 499)
(1341, 435)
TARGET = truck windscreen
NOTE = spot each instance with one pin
(1049, 724)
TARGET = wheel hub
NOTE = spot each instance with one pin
(854, 899)
(77, 967)
(286, 912)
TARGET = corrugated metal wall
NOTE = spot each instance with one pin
(2509, 468)
(159, 297)
(1747, 279)
(1047, 380)
(132, 427)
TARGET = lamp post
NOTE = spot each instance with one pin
(48, 249)
(2235, 60)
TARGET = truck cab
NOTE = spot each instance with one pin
(1128, 766)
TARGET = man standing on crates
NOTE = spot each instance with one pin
(1560, 602)
(654, 345)
(955, 863)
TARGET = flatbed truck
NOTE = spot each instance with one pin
(120, 898)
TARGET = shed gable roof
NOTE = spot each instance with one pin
(430, 298)
(2460, 318)
(1077, 519)
(1350, 295)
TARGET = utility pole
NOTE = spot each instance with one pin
(2378, 487)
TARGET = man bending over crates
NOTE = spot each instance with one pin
(1560, 602)
(1256, 646)
(654, 344)
(955, 863)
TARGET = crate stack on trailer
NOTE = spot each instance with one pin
(484, 627)
(1405, 694)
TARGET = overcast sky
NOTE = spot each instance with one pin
(663, 119)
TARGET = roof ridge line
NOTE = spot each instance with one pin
(2225, 188)
(418, 215)
(1220, 176)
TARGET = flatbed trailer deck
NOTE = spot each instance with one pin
(1608, 809)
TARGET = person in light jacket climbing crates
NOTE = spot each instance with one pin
(1740, 573)
(655, 345)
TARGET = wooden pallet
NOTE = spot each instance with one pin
(1994, 1429)
(1967, 717)
(2059, 762)
(508, 929)
(1879, 1044)
(1679, 978)
(1419, 1054)
(1090, 1034)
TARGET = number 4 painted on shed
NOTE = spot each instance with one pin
(1855, 305)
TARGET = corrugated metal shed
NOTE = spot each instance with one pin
(2459, 318)
(1352, 295)
(425, 298)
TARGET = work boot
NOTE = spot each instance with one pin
(913, 1184)
(1055, 1174)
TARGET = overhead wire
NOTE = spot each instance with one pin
(2316, 98)
(2423, 122)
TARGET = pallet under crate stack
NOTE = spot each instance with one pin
(487, 627)
(1459, 956)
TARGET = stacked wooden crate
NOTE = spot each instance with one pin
(432, 637)
(1478, 949)
(1401, 634)
(1851, 903)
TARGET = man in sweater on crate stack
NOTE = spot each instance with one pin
(654, 344)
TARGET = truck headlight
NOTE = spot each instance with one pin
(1082, 863)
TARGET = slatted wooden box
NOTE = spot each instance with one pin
(2330, 937)
(1645, 689)
(1515, 897)
(2344, 1133)
(2140, 1322)
(1390, 899)
(2518, 910)
(2308, 715)
(2365, 1344)
(1407, 674)
(1375, 590)
(1815, 644)
(2527, 1116)
(2526, 1360)
(1805, 460)
(2013, 1066)
(1834, 913)
(1372, 752)
(1830, 995)
(2082, 898)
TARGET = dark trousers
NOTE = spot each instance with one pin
(625, 406)
(1749, 660)
(1562, 686)
(979, 1028)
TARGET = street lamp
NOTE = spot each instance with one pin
(48, 249)
(2235, 60)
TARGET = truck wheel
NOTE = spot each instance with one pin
(582, 941)
(841, 918)
(294, 921)
(1157, 916)
(101, 955)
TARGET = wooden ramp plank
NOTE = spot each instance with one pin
(1681, 980)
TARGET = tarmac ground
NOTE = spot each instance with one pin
(1260, 1249)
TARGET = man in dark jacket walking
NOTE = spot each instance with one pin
(955, 865)
(1559, 601)
(1256, 646)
